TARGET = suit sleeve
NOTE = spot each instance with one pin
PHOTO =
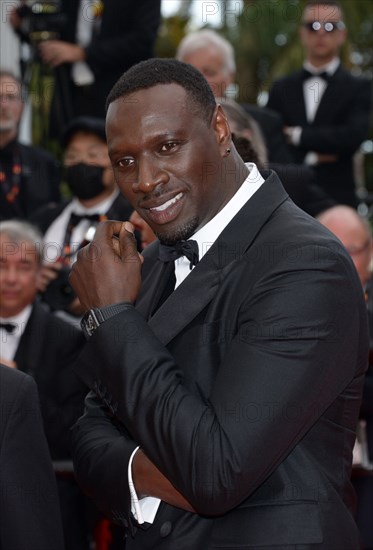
(102, 449)
(277, 377)
(29, 508)
(338, 137)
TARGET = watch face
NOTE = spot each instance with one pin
(91, 323)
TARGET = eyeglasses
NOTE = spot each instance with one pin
(328, 26)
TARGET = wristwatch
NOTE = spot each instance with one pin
(95, 316)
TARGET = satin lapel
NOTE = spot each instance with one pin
(32, 342)
(200, 287)
(297, 102)
(332, 96)
(153, 283)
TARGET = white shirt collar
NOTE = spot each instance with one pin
(100, 208)
(208, 234)
(329, 68)
(21, 317)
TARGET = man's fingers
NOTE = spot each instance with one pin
(127, 242)
(106, 230)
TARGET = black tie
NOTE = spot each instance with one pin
(8, 327)
(307, 74)
(189, 249)
(77, 218)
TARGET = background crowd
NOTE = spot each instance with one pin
(57, 184)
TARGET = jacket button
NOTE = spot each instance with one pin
(165, 529)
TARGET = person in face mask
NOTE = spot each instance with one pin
(94, 198)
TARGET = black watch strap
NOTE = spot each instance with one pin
(94, 317)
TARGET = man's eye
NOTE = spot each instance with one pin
(125, 162)
(169, 146)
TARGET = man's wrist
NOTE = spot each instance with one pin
(94, 317)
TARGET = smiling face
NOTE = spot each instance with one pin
(322, 46)
(19, 267)
(168, 162)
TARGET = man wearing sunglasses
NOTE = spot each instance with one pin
(326, 110)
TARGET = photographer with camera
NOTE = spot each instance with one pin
(69, 226)
(89, 45)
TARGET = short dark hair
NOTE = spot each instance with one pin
(87, 124)
(155, 71)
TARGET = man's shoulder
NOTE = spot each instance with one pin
(37, 153)
(69, 334)
(12, 381)
(288, 79)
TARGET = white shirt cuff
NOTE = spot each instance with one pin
(145, 509)
(311, 159)
(296, 135)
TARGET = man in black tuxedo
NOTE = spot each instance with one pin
(35, 341)
(29, 508)
(212, 362)
(326, 110)
(29, 176)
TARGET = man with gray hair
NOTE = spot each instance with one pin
(40, 344)
(29, 176)
(213, 56)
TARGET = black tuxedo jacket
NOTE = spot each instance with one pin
(39, 183)
(47, 351)
(243, 388)
(29, 509)
(340, 125)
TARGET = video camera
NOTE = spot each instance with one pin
(41, 20)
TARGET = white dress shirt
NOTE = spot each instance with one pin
(313, 90)
(145, 509)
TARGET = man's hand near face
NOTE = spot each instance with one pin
(108, 270)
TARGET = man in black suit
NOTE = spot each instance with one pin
(29, 508)
(40, 344)
(326, 110)
(213, 56)
(97, 42)
(221, 395)
(29, 177)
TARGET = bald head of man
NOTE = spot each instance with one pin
(355, 234)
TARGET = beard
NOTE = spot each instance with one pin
(181, 233)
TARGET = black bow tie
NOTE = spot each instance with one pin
(170, 253)
(324, 75)
(8, 327)
(75, 219)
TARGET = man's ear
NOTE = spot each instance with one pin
(222, 130)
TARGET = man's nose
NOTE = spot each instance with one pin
(149, 177)
(10, 275)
